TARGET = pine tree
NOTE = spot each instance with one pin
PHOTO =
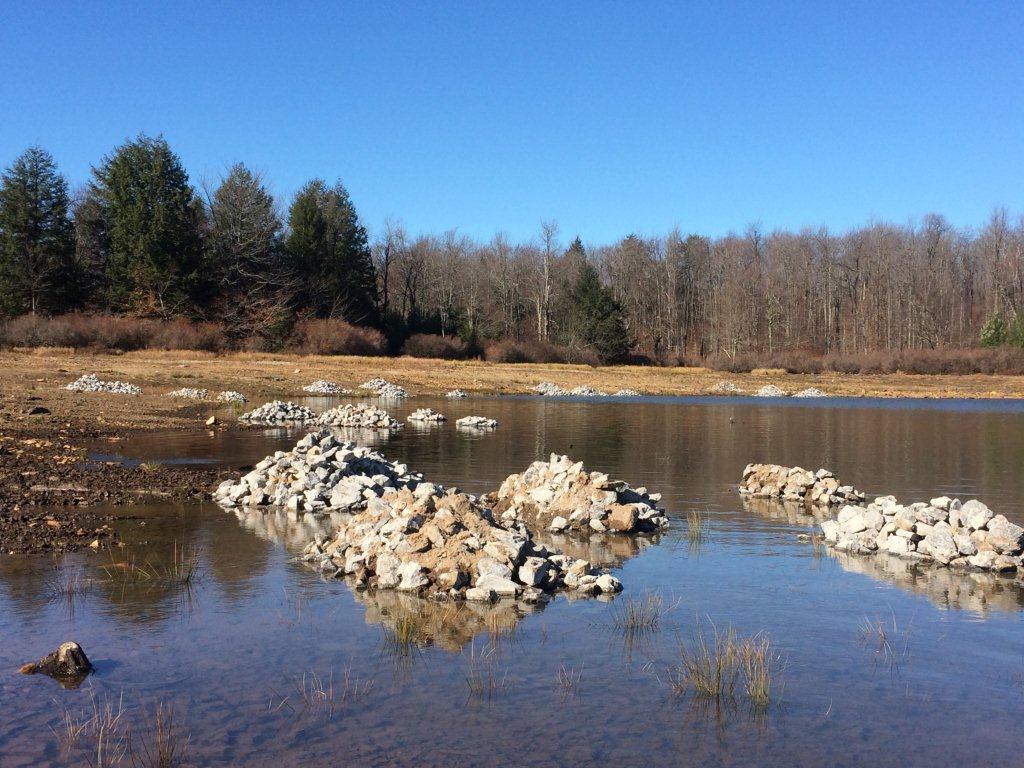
(330, 254)
(599, 317)
(154, 223)
(36, 235)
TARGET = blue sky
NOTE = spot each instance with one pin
(610, 118)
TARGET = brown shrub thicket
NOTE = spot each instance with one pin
(433, 345)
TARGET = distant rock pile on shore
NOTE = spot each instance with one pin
(585, 390)
(559, 495)
(943, 530)
(476, 422)
(456, 394)
(626, 393)
(443, 543)
(324, 387)
(770, 390)
(359, 415)
(426, 415)
(189, 393)
(765, 481)
(384, 389)
(725, 388)
(322, 473)
(90, 382)
(230, 396)
(279, 413)
(811, 392)
(550, 389)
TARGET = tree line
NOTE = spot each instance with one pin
(139, 239)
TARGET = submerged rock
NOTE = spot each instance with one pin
(90, 382)
(359, 415)
(279, 412)
(797, 484)
(559, 494)
(68, 665)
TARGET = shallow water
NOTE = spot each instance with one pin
(231, 650)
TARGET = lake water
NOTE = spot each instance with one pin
(234, 651)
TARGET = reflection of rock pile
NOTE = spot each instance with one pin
(770, 390)
(425, 415)
(476, 422)
(322, 473)
(725, 388)
(559, 494)
(324, 387)
(90, 382)
(278, 412)
(384, 389)
(230, 396)
(361, 415)
(796, 484)
(431, 541)
(189, 393)
(784, 510)
(456, 394)
(943, 530)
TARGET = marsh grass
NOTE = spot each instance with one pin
(568, 678)
(165, 746)
(149, 467)
(66, 586)
(482, 677)
(696, 528)
(640, 615)
(721, 666)
(182, 570)
(889, 643)
(98, 734)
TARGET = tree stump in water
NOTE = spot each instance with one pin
(68, 665)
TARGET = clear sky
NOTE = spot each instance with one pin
(610, 118)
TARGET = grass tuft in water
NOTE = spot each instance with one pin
(696, 527)
(182, 570)
(891, 644)
(568, 678)
(98, 734)
(640, 615)
(481, 674)
(165, 747)
(719, 665)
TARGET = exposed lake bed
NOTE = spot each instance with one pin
(875, 660)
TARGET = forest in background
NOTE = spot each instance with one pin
(140, 257)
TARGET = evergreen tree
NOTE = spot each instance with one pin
(36, 235)
(154, 223)
(599, 317)
(92, 246)
(994, 332)
(330, 254)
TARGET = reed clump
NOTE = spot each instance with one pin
(727, 668)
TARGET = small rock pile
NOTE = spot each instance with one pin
(445, 544)
(90, 382)
(457, 394)
(765, 481)
(770, 390)
(811, 392)
(230, 396)
(560, 495)
(725, 388)
(425, 415)
(944, 531)
(626, 393)
(384, 389)
(585, 390)
(279, 412)
(321, 474)
(360, 415)
(549, 389)
(189, 393)
(324, 387)
(476, 422)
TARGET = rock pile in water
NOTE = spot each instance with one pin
(324, 387)
(230, 396)
(90, 382)
(456, 394)
(321, 474)
(476, 422)
(279, 412)
(384, 389)
(360, 415)
(943, 530)
(443, 543)
(725, 388)
(425, 415)
(811, 392)
(765, 481)
(770, 390)
(189, 393)
(559, 494)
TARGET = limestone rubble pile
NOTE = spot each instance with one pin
(322, 473)
(559, 494)
(324, 387)
(456, 394)
(811, 392)
(766, 481)
(476, 422)
(90, 382)
(626, 393)
(944, 531)
(425, 415)
(550, 389)
(384, 389)
(444, 543)
(359, 415)
(230, 396)
(725, 388)
(278, 412)
(585, 390)
(770, 390)
(189, 393)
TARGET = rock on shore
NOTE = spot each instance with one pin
(90, 382)
(189, 393)
(324, 387)
(230, 396)
(278, 412)
(770, 390)
(811, 392)
(476, 422)
(425, 415)
(456, 394)
(384, 389)
(725, 388)
(559, 494)
(360, 415)
(765, 481)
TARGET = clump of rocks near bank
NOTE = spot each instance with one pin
(359, 415)
(278, 413)
(476, 422)
(725, 388)
(384, 389)
(90, 382)
(456, 394)
(190, 393)
(767, 481)
(559, 495)
(425, 416)
(230, 396)
(550, 389)
(324, 387)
